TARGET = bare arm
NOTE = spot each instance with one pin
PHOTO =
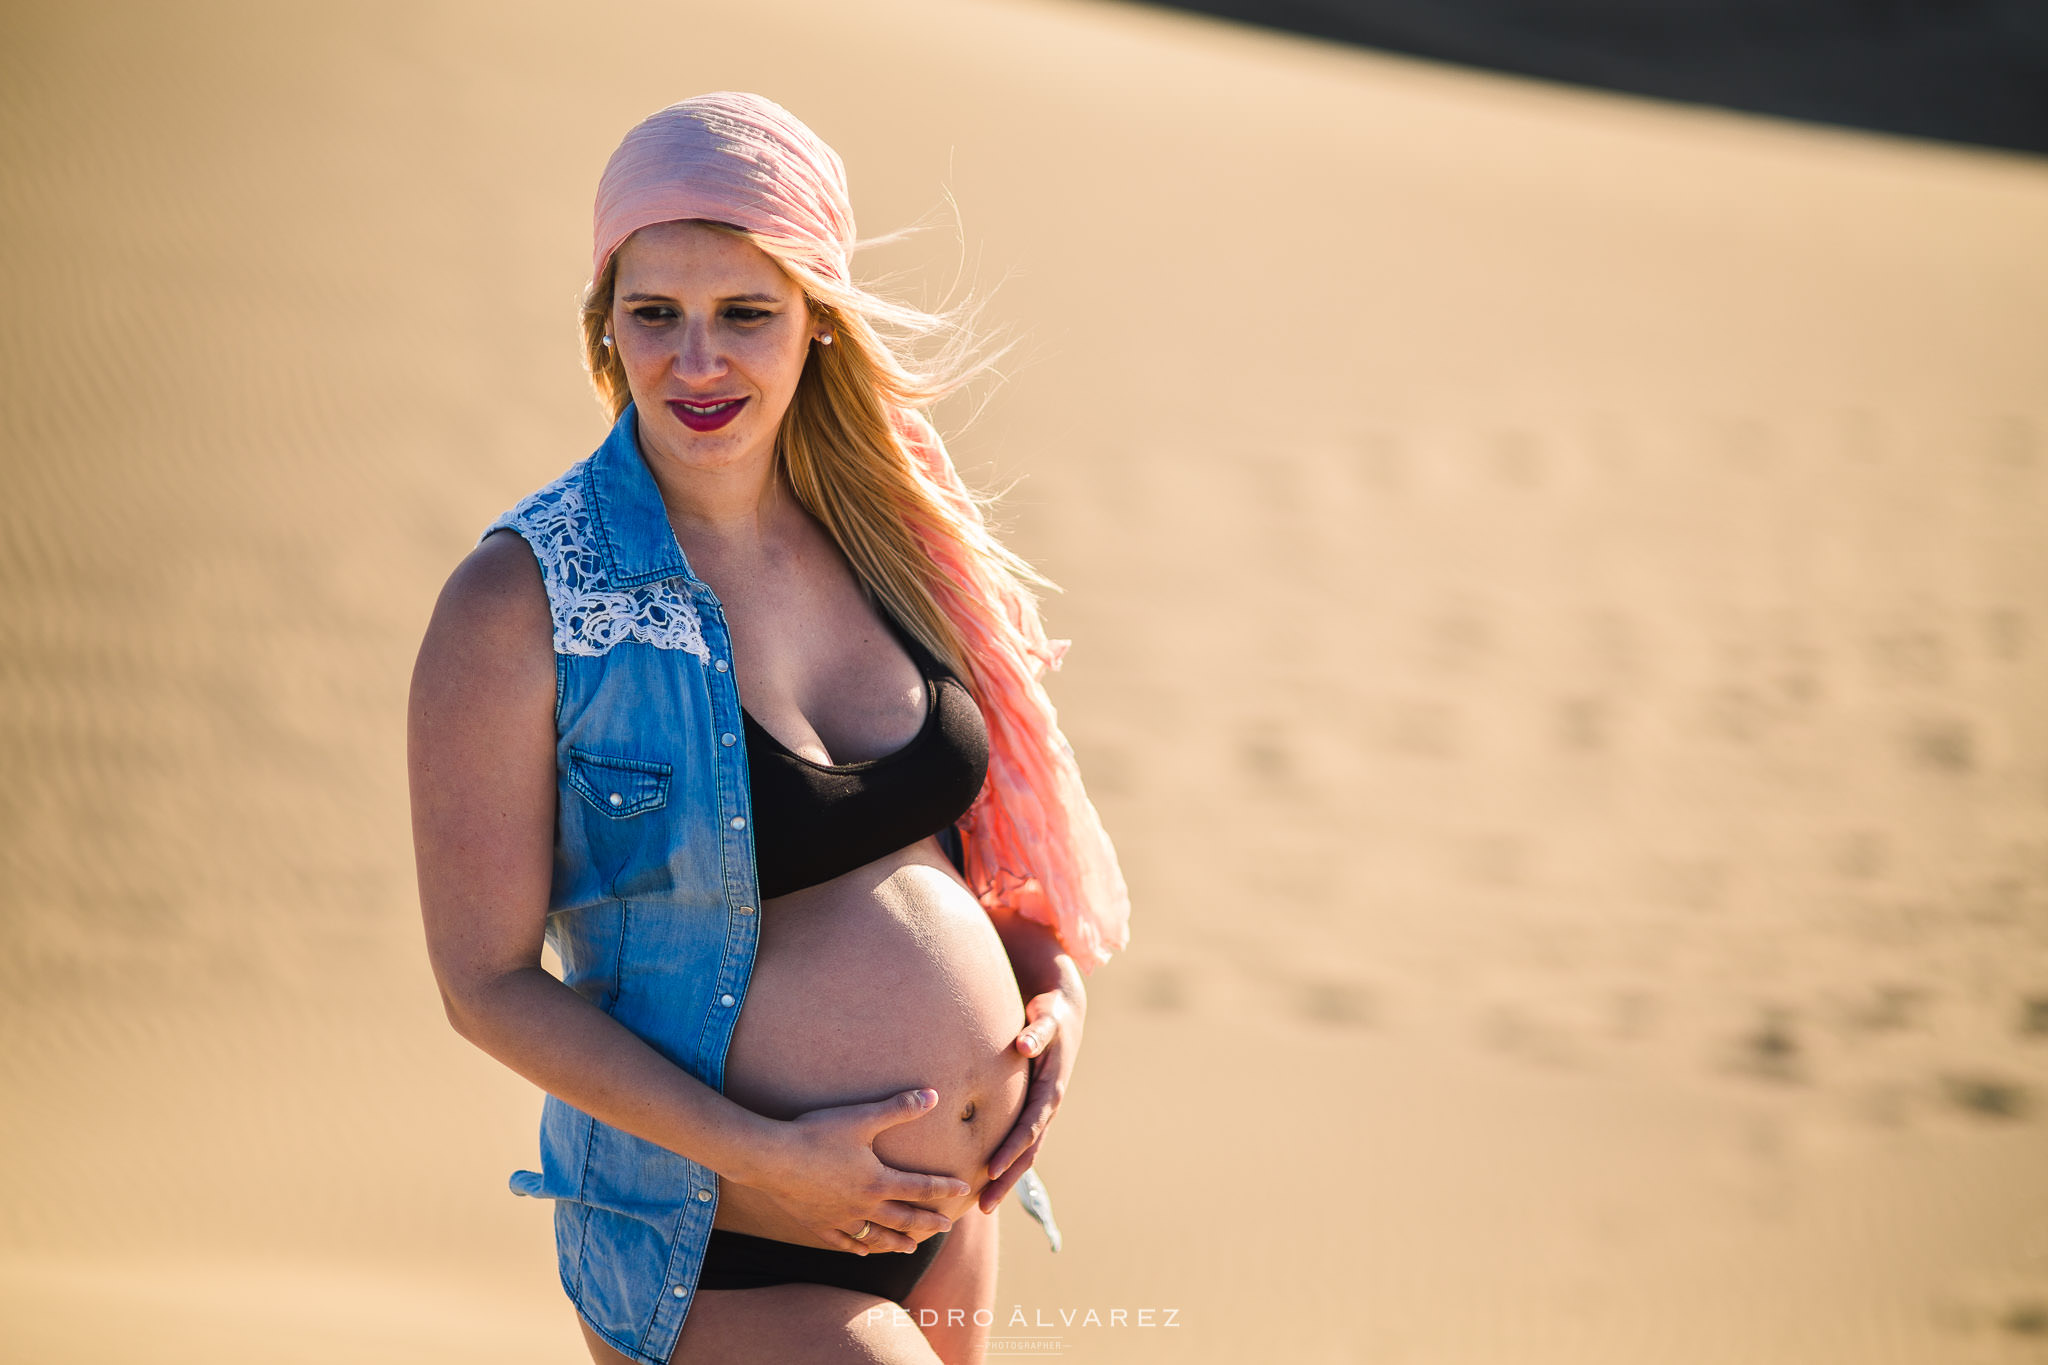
(1036, 956)
(481, 737)
(481, 741)
(1055, 1006)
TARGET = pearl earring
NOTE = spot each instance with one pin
(825, 340)
(607, 343)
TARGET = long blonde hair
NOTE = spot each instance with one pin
(841, 449)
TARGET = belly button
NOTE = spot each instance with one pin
(967, 1114)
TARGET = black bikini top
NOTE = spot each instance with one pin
(816, 821)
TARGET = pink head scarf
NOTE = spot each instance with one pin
(729, 158)
(1034, 843)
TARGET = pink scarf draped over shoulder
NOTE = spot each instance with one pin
(1034, 842)
(1035, 846)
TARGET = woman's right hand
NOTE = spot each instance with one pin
(823, 1173)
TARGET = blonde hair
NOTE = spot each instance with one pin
(839, 445)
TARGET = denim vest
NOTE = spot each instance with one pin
(653, 907)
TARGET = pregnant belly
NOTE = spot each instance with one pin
(883, 980)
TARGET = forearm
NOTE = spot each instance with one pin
(570, 1048)
(1037, 959)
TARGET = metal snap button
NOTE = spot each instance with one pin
(728, 740)
(617, 800)
(720, 665)
(725, 1000)
(739, 822)
(703, 1196)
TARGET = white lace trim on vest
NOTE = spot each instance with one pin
(590, 615)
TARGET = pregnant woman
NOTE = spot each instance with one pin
(742, 715)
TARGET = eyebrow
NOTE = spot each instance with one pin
(731, 298)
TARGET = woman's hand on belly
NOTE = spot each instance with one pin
(1051, 1037)
(888, 978)
(823, 1176)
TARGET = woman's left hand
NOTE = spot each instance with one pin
(1051, 1037)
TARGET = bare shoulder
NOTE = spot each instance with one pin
(496, 588)
(481, 753)
(491, 638)
(494, 601)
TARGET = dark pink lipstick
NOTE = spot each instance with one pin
(702, 417)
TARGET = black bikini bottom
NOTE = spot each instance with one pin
(738, 1260)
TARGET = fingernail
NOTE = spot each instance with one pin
(927, 1098)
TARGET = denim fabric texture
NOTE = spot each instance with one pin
(653, 910)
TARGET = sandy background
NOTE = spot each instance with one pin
(1562, 602)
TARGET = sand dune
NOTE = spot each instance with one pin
(1562, 614)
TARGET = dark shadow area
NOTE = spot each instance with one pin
(1959, 70)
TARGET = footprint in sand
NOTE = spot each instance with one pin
(1584, 724)
(1771, 1051)
(1162, 990)
(2011, 1310)
(1261, 753)
(1890, 1008)
(1940, 744)
(1992, 1097)
(1334, 1004)
(2026, 1317)
(1423, 727)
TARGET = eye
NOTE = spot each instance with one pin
(748, 314)
(654, 312)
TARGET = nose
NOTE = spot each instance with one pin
(698, 360)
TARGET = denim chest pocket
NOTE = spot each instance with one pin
(619, 787)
